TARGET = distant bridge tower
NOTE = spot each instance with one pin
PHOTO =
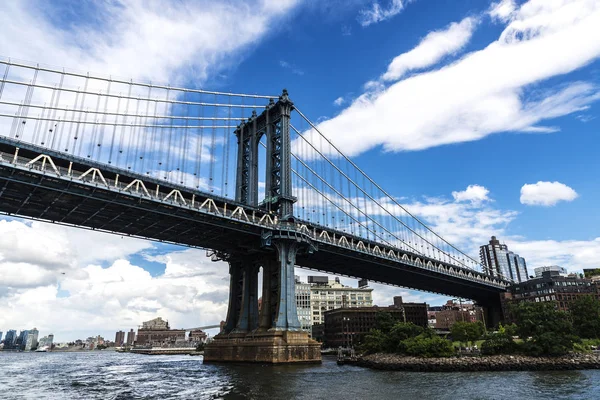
(275, 333)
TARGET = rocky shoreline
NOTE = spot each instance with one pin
(393, 362)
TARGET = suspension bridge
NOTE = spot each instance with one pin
(248, 177)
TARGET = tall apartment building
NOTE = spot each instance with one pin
(32, 339)
(320, 294)
(119, 338)
(21, 340)
(9, 339)
(303, 305)
(0, 336)
(130, 337)
(498, 261)
(46, 341)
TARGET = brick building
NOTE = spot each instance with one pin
(453, 311)
(347, 326)
(551, 286)
(119, 338)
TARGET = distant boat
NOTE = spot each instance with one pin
(42, 349)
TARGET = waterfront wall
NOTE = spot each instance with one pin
(395, 362)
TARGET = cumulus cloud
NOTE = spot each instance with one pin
(546, 193)
(502, 10)
(100, 300)
(486, 91)
(432, 49)
(469, 224)
(377, 13)
(154, 40)
(474, 193)
(339, 101)
(571, 254)
(57, 249)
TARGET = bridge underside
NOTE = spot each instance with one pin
(33, 195)
(46, 197)
(39, 195)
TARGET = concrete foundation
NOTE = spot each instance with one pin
(272, 347)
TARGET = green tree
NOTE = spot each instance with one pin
(499, 343)
(466, 332)
(459, 331)
(384, 321)
(544, 329)
(425, 345)
(375, 342)
(585, 314)
(508, 329)
(399, 333)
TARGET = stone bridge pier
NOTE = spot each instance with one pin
(273, 334)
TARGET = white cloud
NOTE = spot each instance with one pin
(473, 193)
(485, 92)
(432, 49)
(377, 13)
(571, 254)
(339, 101)
(57, 249)
(90, 299)
(154, 40)
(502, 10)
(546, 193)
(471, 224)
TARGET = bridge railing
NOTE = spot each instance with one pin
(204, 203)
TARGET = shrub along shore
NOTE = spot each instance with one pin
(540, 338)
(395, 362)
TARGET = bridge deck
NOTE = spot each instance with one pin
(56, 189)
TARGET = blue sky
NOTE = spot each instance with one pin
(481, 116)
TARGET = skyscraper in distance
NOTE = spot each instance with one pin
(31, 342)
(9, 340)
(119, 338)
(130, 337)
(498, 261)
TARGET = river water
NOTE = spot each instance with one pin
(110, 375)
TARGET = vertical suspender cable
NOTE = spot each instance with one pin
(186, 144)
(4, 77)
(212, 150)
(168, 167)
(114, 131)
(100, 141)
(228, 145)
(143, 135)
(133, 132)
(97, 145)
(124, 122)
(153, 140)
(95, 128)
(78, 133)
(199, 148)
(160, 152)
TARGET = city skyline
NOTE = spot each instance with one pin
(542, 208)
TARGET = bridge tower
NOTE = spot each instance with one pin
(274, 334)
